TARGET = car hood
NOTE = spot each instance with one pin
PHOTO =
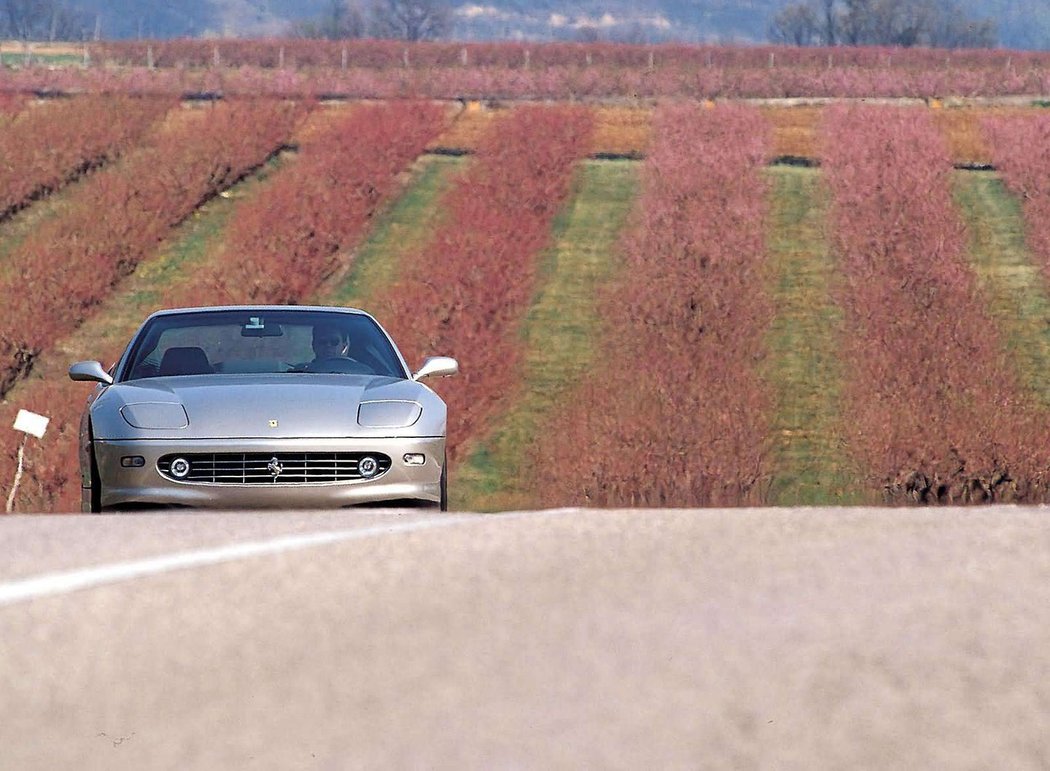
(257, 406)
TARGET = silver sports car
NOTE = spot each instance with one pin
(268, 406)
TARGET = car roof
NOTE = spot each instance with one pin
(203, 309)
(293, 308)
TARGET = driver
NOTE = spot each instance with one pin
(330, 341)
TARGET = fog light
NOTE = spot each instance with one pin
(367, 467)
(415, 459)
(180, 468)
(132, 461)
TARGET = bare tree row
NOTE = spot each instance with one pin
(936, 23)
(401, 19)
(43, 20)
(397, 19)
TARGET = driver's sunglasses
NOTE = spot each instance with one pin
(328, 341)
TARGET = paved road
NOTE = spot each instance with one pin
(789, 639)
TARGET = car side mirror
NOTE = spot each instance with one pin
(90, 371)
(437, 365)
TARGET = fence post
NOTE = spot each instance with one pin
(463, 58)
(149, 57)
(215, 58)
(18, 475)
(346, 58)
(528, 56)
(280, 58)
(404, 58)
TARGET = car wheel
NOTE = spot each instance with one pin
(96, 485)
(444, 485)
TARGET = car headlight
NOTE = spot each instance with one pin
(388, 414)
(155, 415)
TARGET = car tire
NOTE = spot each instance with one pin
(444, 485)
(96, 485)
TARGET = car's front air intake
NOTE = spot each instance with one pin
(280, 468)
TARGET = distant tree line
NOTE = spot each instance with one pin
(397, 19)
(401, 19)
(43, 20)
(905, 23)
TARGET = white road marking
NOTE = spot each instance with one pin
(63, 582)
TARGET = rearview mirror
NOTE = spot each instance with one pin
(437, 365)
(257, 327)
(90, 371)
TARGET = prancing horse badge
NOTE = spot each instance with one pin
(273, 424)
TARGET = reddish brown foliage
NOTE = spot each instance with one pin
(11, 104)
(676, 414)
(283, 243)
(56, 141)
(64, 268)
(469, 288)
(933, 408)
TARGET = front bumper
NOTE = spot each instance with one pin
(128, 488)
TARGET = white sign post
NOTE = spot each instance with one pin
(28, 423)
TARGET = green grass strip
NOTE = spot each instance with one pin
(810, 466)
(1012, 282)
(403, 227)
(558, 336)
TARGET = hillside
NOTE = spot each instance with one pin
(1021, 24)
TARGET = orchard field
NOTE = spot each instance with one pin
(683, 301)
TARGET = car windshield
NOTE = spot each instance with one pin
(262, 341)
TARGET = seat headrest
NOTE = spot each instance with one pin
(188, 360)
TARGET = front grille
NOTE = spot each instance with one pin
(295, 468)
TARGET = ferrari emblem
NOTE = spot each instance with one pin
(273, 424)
(274, 467)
